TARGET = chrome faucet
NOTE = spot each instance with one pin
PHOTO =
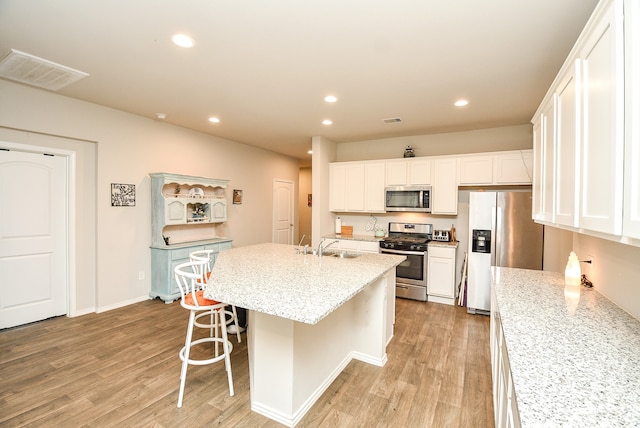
(321, 248)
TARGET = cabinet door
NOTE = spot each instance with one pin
(337, 187)
(536, 186)
(444, 198)
(567, 146)
(355, 185)
(175, 211)
(218, 210)
(601, 165)
(631, 226)
(441, 280)
(548, 160)
(396, 173)
(513, 168)
(475, 170)
(419, 172)
(374, 187)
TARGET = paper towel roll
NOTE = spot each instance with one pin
(338, 225)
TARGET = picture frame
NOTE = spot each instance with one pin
(237, 197)
(123, 195)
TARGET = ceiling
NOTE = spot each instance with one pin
(264, 67)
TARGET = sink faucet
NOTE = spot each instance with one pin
(321, 248)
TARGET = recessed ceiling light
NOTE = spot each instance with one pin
(461, 103)
(330, 98)
(327, 122)
(161, 116)
(214, 120)
(182, 40)
(310, 152)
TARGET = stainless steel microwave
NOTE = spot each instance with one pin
(408, 198)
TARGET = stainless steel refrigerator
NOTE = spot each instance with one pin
(501, 233)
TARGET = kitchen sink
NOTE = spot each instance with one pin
(342, 255)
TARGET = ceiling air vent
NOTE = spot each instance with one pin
(392, 120)
(31, 70)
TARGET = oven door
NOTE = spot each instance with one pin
(411, 274)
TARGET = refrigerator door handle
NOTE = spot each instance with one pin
(495, 244)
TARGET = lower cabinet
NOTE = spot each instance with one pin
(165, 259)
(357, 245)
(505, 406)
(441, 275)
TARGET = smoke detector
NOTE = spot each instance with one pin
(392, 120)
(31, 70)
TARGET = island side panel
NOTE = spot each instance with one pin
(316, 354)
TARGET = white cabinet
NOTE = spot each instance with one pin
(601, 167)
(356, 186)
(475, 170)
(337, 187)
(408, 172)
(631, 220)
(505, 406)
(419, 172)
(444, 198)
(357, 245)
(396, 172)
(548, 162)
(441, 276)
(567, 148)
(513, 168)
(374, 186)
(536, 186)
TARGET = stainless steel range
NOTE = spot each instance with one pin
(410, 240)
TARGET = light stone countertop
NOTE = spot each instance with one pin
(579, 369)
(366, 238)
(273, 279)
(449, 244)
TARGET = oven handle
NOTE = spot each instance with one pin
(402, 252)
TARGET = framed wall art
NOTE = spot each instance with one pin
(237, 196)
(123, 195)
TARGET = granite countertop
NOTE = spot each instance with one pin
(366, 238)
(446, 244)
(571, 365)
(274, 279)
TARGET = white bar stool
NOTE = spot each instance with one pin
(188, 276)
(205, 271)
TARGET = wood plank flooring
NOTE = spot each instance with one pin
(121, 369)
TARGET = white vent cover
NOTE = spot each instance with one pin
(31, 70)
(392, 120)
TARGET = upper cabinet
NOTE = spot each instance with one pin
(586, 154)
(356, 186)
(408, 172)
(496, 168)
(444, 196)
(601, 56)
(359, 186)
(183, 200)
(631, 219)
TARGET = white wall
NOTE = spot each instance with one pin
(517, 137)
(128, 148)
(324, 152)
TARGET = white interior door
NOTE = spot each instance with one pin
(33, 248)
(283, 212)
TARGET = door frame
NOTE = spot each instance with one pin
(273, 203)
(70, 213)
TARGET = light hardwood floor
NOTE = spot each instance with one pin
(121, 369)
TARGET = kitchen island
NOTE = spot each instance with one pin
(309, 316)
(561, 360)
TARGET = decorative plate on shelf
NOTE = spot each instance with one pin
(196, 192)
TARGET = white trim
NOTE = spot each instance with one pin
(70, 213)
(123, 303)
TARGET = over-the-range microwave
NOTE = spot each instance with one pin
(408, 198)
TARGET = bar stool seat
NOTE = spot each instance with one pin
(188, 276)
(205, 271)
